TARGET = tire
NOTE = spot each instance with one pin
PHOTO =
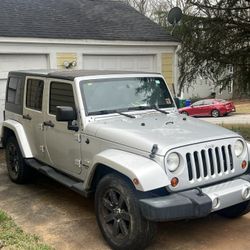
(118, 215)
(185, 113)
(215, 113)
(18, 171)
(235, 211)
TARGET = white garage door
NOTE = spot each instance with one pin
(10, 62)
(143, 63)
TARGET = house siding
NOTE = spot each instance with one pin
(167, 68)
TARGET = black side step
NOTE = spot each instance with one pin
(71, 183)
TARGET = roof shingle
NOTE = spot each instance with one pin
(77, 19)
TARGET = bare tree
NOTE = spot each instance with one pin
(140, 5)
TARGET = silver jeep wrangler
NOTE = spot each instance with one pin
(119, 136)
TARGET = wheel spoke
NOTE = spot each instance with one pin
(123, 227)
(108, 218)
(113, 197)
(107, 204)
(125, 215)
(120, 202)
(115, 229)
(11, 151)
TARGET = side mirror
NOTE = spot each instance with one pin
(67, 114)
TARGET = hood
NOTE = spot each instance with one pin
(167, 131)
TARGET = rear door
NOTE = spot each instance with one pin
(63, 146)
(33, 113)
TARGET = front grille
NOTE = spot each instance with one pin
(209, 163)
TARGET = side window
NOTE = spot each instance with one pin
(61, 94)
(34, 94)
(208, 102)
(14, 90)
(199, 103)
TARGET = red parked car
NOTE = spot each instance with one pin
(209, 107)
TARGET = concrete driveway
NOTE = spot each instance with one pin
(65, 220)
(234, 118)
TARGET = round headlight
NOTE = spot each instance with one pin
(173, 162)
(238, 148)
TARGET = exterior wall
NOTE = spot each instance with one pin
(168, 69)
(203, 88)
(58, 51)
(199, 88)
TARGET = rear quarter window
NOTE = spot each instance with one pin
(14, 90)
(14, 93)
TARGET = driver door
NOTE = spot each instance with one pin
(62, 144)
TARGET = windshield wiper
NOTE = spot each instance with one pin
(148, 107)
(127, 115)
(160, 110)
(105, 112)
(140, 108)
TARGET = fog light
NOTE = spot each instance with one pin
(244, 164)
(246, 193)
(174, 182)
(216, 202)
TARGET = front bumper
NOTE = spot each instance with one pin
(196, 203)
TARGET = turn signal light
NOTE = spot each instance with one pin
(174, 182)
(244, 164)
(136, 181)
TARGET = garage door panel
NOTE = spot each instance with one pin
(2, 98)
(2, 88)
(20, 62)
(10, 62)
(144, 63)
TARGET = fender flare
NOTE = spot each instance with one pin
(21, 137)
(150, 175)
(248, 146)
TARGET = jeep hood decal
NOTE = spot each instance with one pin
(167, 131)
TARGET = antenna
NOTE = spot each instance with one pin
(174, 16)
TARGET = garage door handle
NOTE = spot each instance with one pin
(27, 117)
(49, 124)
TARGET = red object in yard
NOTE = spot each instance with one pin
(209, 107)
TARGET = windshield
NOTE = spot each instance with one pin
(105, 96)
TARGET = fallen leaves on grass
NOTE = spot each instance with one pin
(242, 129)
(13, 237)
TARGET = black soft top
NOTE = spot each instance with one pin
(71, 74)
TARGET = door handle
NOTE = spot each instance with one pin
(27, 117)
(49, 124)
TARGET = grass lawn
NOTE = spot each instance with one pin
(242, 129)
(13, 237)
(242, 106)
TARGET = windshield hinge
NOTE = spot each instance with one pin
(78, 137)
(153, 151)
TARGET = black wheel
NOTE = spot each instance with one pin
(185, 113)
(18, 171)
(118, 215)
(215, 113)
(236, 210)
